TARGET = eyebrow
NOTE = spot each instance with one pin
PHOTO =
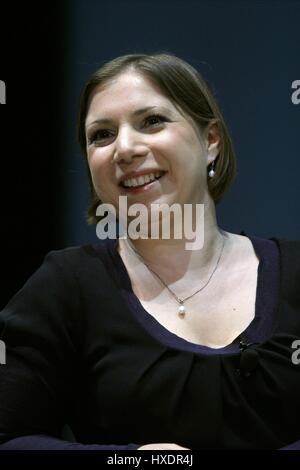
(138, 112)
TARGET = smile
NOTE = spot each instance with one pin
(141, 180)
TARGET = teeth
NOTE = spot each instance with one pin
(141, 180)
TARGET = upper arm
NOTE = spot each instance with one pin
(39, 329)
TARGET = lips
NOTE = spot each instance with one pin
(141, 183)
(140, 179)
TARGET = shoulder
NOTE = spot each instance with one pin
(59, 286)
(80, 267)
(246, 250)
(71, 253)
(75, 257)
(290, 265)
(289, 254)
(65, 272)
(279, 253)
(290, 249)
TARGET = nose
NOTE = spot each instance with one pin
(128, 145)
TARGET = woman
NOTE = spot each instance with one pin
(140, 343)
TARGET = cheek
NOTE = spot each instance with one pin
(100, 169)
(170, 146)
(97, 162)
(181, 147)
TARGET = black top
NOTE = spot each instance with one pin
(81, 349)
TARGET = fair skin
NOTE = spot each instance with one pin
(128, 144)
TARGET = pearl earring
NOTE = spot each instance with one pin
(212, 172)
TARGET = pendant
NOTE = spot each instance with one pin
(181, 310)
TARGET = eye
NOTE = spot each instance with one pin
(98, 135)
(155, 119)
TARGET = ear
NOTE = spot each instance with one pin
(213, 142)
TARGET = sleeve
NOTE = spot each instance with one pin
(39, 330)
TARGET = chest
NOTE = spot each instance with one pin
(217, 311)
(215, 316)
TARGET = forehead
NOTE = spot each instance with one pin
(125, 92)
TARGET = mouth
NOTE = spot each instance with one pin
(142, 182)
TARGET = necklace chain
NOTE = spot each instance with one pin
(181, 310)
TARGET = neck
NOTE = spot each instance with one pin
(170, 258)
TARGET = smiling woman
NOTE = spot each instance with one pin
(175, 94)
(140, 343)
(142, 156)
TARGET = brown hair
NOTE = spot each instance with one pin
(186, 88)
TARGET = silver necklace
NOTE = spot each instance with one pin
(181, 308)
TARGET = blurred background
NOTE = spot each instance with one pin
(249, 51)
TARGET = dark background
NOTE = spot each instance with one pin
(249, 51)
(33, 51)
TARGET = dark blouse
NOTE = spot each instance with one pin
(81, 349)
